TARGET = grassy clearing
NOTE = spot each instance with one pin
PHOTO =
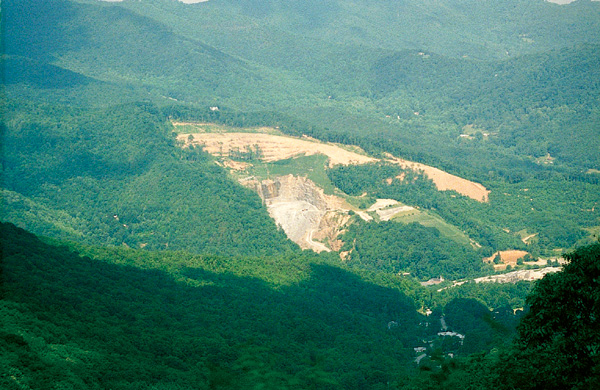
(431, 220)
(359, 202)
(594, 236)
(312, 167)
(523, 233)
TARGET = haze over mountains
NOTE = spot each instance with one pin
(176, 158)
(510, 107)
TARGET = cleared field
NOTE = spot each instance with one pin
(312, 167)
(431, 220)
(220, 140)
(445, 181)
(507, 258)
(388, 209)
(393, 212)
(382, 203)
(515, 276)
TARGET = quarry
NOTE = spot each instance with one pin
(311, 215)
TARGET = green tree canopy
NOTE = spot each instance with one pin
(559, 339)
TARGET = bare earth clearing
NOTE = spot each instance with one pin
(515, 276)
(511, 277)
(445, 181)
(507, 258)
(386, 209)
(529, 237)
(275, 147)
(382, 203)
(388, 214)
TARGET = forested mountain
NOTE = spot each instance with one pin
(480, 29)
(113, 176)
(508, 122)
(174, 275)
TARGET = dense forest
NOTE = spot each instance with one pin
(109, 318)
(122, 181)
(97, 317)
(132, 262)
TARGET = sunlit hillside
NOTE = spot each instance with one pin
(299, 194)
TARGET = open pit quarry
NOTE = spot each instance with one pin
(308, 216)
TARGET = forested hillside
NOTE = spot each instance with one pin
(92, 317)
(107, 318)
(113, 176)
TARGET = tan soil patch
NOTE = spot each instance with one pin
(509, 257)
(365, 217)
(275, 147)
(445, 181)
(236, 165)
(332, 225)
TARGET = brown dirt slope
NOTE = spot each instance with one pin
(445, 181)
(276, 147)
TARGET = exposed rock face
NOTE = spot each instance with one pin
(331, 226)
(303, 210)
(515, 276)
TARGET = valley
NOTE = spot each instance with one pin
(299, 194)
